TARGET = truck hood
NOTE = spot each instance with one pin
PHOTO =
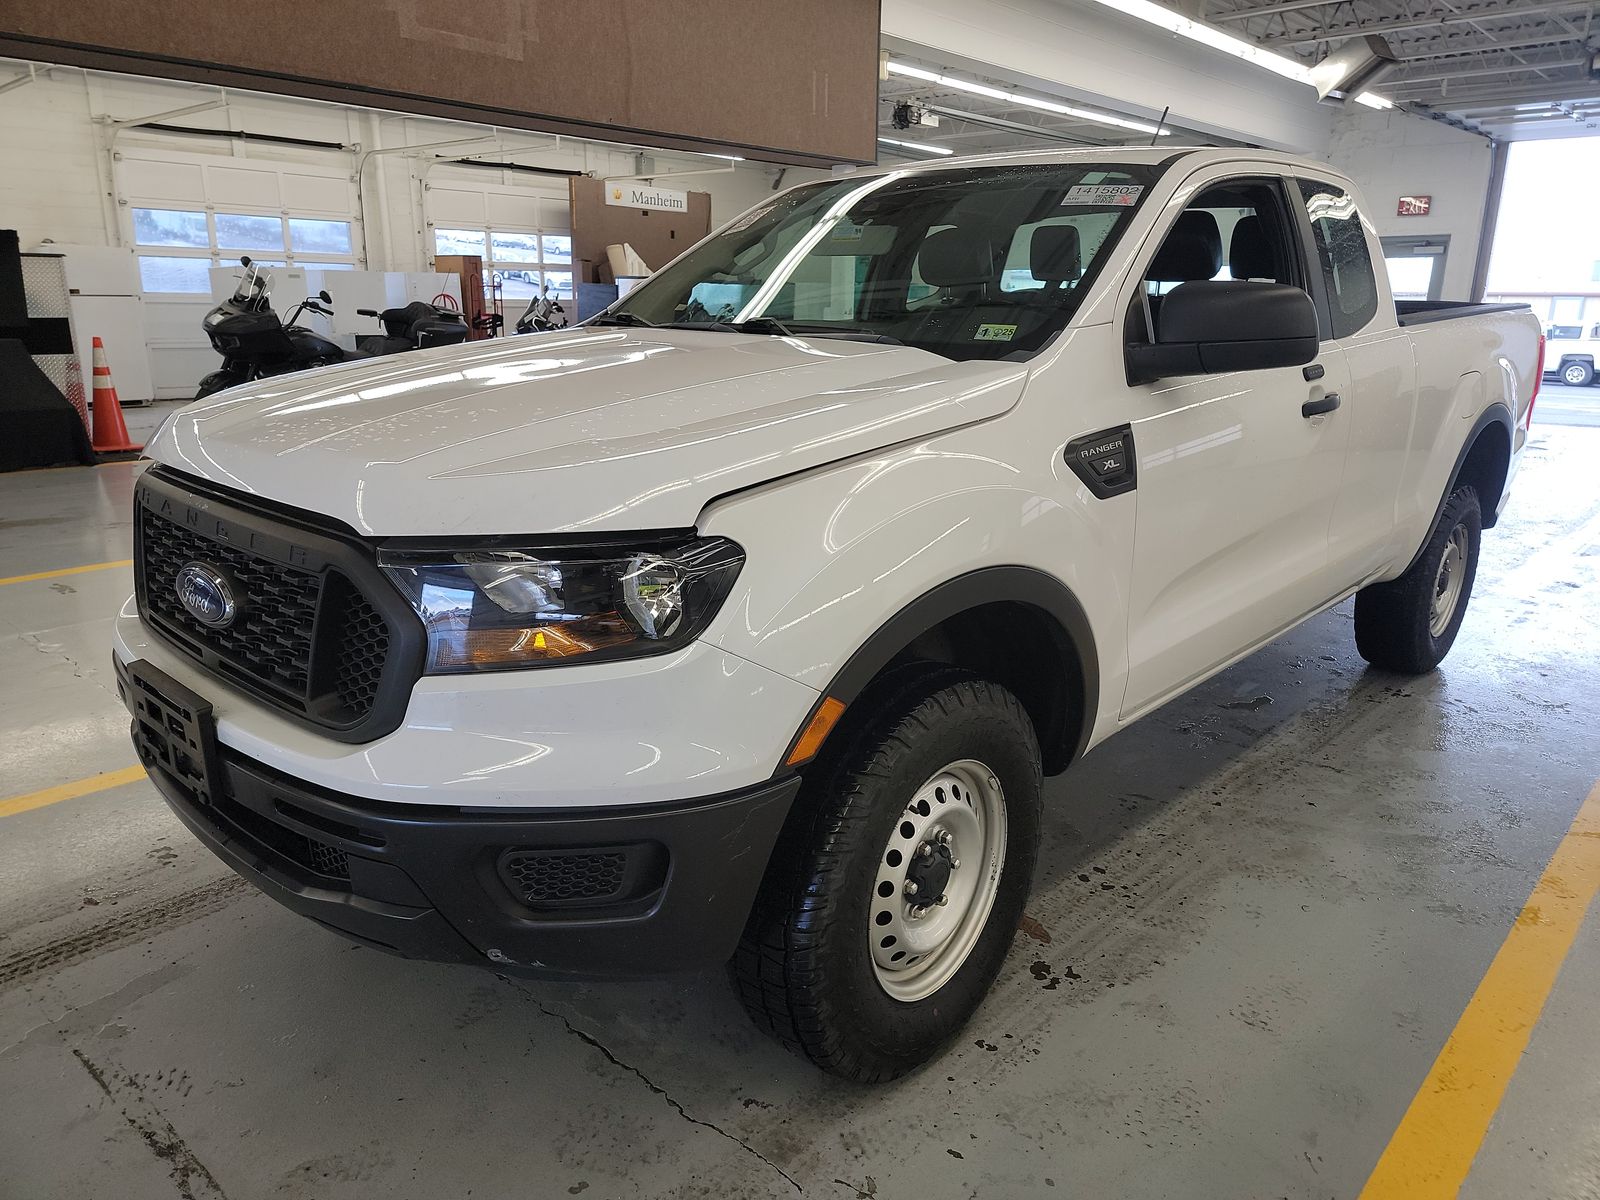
(589, 430)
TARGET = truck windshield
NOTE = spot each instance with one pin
(975, 262)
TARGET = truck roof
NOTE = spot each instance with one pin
(1142, 155)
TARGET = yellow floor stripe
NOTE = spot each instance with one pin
(1432, 1150)
(70, 791)
(105, 566)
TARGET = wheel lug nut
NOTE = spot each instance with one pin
(955, 864)
(924, 851)
(942, 901)
(911, 887)
(945, 837)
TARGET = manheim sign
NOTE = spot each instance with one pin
(637, 195)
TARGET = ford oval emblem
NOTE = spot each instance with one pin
(205, 592)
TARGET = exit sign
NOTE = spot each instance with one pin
(1415, 206)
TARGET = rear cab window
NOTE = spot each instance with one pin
(1339, 238)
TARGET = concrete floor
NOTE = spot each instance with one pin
(1261, 912)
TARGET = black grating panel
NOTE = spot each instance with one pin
(306, 639)
(561, 877)
(363, 648)
(313, 855)
(270, 641)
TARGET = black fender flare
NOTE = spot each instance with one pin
(1495, 414)
(988, 585)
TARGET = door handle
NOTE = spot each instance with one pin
(1325, 404)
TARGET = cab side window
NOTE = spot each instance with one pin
(1235, 229)
(1341, 246)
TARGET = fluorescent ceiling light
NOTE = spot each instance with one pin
(1019, 98)
(922, 146)
(1217, 39)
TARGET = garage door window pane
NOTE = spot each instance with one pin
(557, 249)
(514, 247)
(236, 231)
(319, 237)
(560, 283)
(160, 274)
(458, 241)
(170, 227)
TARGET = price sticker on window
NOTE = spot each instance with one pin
(995, 333)
(1114, 195)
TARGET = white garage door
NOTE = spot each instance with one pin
(185, 213)
(523, 235)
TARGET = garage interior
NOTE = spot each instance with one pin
(1311, 929)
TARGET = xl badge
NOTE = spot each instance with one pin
(205, 592)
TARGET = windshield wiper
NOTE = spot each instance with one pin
(756, 325)
(623, 318)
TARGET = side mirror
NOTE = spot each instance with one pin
(244, 260)
(324, 297)
(1214, 327)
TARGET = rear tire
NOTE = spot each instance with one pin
(1409, 624)
(1577, 374)
(940, 784)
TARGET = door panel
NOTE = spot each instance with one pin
(1235, 488)
(1236, 483)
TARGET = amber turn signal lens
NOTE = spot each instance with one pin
(538, 644)
(816, 731)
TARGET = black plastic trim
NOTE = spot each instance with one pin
(1495, 414)
(424, 880)
(988, 585)
(1105, 461)
(1427, 312)
(305, 542)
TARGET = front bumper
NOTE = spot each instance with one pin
(614, 892)
(638, 890)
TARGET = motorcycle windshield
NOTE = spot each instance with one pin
(251, 283)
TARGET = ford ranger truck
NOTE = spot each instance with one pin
(741, 623)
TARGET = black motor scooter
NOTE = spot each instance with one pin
(417, 326)
(255, 343)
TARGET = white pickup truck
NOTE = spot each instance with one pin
(742, 622)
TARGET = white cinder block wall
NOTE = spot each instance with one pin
(1393, 154)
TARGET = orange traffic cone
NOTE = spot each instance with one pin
(110, 430)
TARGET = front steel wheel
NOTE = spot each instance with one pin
(937, 880)
(894, 893)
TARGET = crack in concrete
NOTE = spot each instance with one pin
(590, 1040)
(154, 1130)
(77, 667)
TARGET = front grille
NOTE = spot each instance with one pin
(316, 631)
(538, 877)
(270, 641)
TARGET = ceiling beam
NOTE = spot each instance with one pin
(1450, 51)
(1270, 10)
(1395, 81)
(1541, 93)
(1439, 17)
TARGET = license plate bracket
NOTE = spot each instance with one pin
(174, 731)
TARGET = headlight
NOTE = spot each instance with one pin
(492, 610)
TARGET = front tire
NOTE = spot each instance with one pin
(850, 959)
(1409, 624)
(1577, 374)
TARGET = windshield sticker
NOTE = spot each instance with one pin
(1119, 195)
(995, 333)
